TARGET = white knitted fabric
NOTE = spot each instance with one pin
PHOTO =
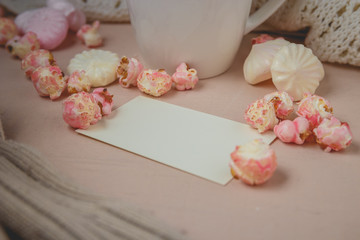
(334, 26)
(103, 10)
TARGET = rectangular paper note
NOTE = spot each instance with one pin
(192, 141)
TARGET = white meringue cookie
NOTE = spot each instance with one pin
(100, 66)
(257, 64)
(296, 70)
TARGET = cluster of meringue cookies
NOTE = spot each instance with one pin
(292, 67)
(296, 73)
(255, 162)
(314, 119)
(46, 28)
(101, 68)
(81, 109)
(97, 68)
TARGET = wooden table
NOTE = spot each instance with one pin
(313, 194)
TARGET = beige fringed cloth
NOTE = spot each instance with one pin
(36, 202)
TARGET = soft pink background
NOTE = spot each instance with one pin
(313, 194)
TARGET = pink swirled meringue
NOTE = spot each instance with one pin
(104, 99)
(185, 78)
(75, 17)
(35, 59)
(89, 35)
(8, 30)
(81, 110)
(49, 81)
(296, 131)
(254, 163)
(314, 108)
(333, 134)
(128, 71)
(22, 20)
(20, 46)
(283, 103)
(154, 82)
(50, 26)
(261, 115)
(78, 82)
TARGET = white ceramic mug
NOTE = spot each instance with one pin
(206, 34)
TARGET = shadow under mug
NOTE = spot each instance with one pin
(206, 34)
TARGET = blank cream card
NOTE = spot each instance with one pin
(192, 141)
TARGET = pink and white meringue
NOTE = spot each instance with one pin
(35, 59)
(261, 115)
(296, 131)
(22, 20)
(50, 26)
(333, 134)
(128, 71)
(283, 103)
(81, 110)
(314, 108)
(76, 18)
(185, 78)
(8, 30)
(78, 82)
(254, 163)
(154, 82)
(20, 46)
(89, 35)
(104, 99)
(261, 39)
(49, 81)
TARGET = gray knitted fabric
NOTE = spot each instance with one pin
(38, 203)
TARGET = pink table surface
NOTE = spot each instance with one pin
(313, 194)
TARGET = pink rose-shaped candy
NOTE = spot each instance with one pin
(8, 30)
(128, 71)
(20, 46)
(295, 131)
(254, 162)
(261, 115)
(35, 59)
(314, 108)
(78, 82)
(185, 78)
(333, 134)
(154, 82)
(89, 35)
(49, 81)
(104, 99)
(81, 110)
(283, 103)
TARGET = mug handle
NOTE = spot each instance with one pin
(262, 14)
